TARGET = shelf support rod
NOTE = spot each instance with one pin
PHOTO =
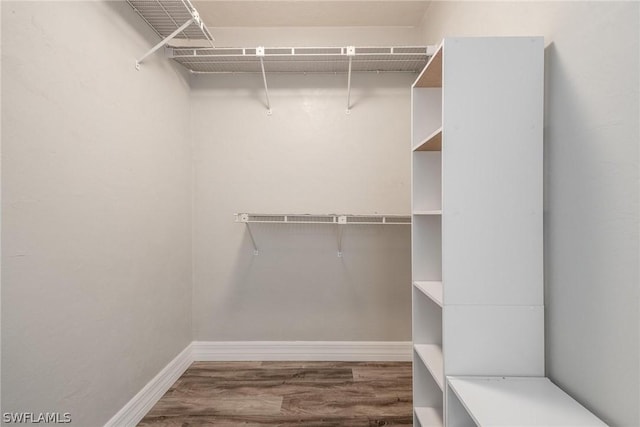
(164, 41)
(253, 241)
(341, 220)
(351, 51)
(260, 54)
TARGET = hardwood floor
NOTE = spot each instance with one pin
(319, 394)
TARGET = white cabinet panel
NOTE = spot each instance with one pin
(494, 340)
(520, 402)
(492, 173)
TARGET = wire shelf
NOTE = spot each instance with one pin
(408, 59)
(339, 220)
(166, 16)
(178, 19)
(322, 219)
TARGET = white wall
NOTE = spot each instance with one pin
(96, 267)
(591, 185)
(317, 36)
(308, 157)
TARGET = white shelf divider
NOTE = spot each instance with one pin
(431, 356)
(433, 212)
(519, 401)
(432, 289)
(429, 417)
(432, 142)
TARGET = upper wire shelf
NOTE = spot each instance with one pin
(179, 19)
(166, 16)
(171, 19)
(409, 59)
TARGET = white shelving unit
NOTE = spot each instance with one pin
(477, 217)
(514, 402)
(427, 293)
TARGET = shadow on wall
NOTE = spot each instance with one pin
(588, 209)
(298, 288)
(314, 81)
(250, 85)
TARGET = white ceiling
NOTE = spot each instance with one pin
(311, 13)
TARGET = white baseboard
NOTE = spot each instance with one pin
(348, 351)
(141, 403)
(211, 351)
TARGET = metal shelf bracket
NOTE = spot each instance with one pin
(245, 218)
(166, 40)
(253, 240)
(342, 220)
(351, 52)
(260, 54)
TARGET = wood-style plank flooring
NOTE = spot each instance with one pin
(320, 394)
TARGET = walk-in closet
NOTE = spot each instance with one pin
(320, 213)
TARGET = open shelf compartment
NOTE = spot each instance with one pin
(431, 356)
(427, 182)
(431, 76)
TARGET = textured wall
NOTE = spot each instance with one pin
(308, 157)
(96, 203)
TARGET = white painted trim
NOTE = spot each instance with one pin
(348, 351)
(141, 403)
